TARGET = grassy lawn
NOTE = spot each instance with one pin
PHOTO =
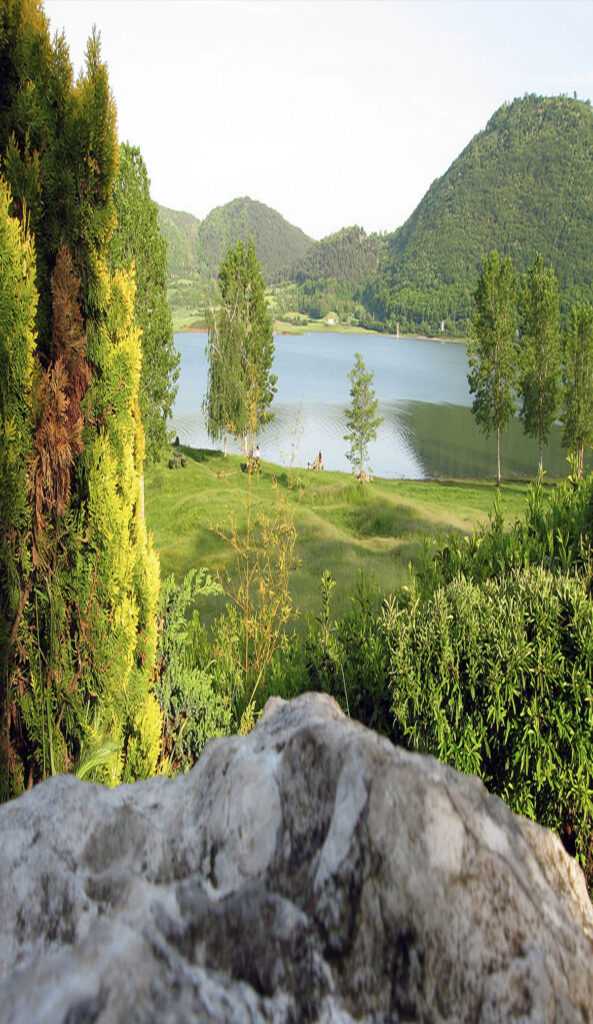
(341, 526)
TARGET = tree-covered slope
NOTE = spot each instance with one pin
(522, 185)
(278, 244)
(180, 231)
(197, 248)
(350, 255)
(331, 276)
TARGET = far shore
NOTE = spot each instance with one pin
(316, 327)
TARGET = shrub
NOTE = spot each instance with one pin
(193, 708)
(496, 679)
(348, 658)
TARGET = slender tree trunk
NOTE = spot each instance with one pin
(498, 457)
(541, 450)
(225, 446)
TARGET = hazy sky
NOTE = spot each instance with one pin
(334, 112)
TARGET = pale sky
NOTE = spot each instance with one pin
(333, 112)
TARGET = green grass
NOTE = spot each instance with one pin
(185, 318)
(287, 327)
(341, 526)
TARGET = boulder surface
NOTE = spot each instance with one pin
(309, 871)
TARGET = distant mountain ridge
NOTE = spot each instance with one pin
(522, 185)
(196, 248)
(180, 231)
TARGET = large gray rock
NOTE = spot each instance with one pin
(307, 872)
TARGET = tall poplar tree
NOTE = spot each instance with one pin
(540, 363)
(240, 350)
(492, 351)
(137, 242)
(361, 415)
(77, 658)
(577, 381)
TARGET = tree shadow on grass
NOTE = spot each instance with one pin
(198, 454)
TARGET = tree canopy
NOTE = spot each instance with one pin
(137, 242)
(540, 366)
(78, 579)
(492, 349)
(361, 415)
(240, 349)
(577, 380)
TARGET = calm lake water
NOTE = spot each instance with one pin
(427, 430)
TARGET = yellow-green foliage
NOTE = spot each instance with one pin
(18, 303)
(144, 742)
(78, 578)
(123, 586)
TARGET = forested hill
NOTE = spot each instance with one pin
(350, 256)
(278, 244)
(196, 248)
(180, 231)
(522, 185)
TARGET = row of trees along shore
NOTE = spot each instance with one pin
(518, 352)
(82, 298)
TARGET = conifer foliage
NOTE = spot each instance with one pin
(78, 580)
(18, 303)
(137, 242)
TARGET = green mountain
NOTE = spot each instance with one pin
(196, 248)
(332, 274)
(523, 185)
(180, 231)
(278, 244)
(350, 256)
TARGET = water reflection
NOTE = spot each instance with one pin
(427, 429)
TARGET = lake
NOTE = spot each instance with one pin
(427, 430)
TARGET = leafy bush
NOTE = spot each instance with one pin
(193, 707)
(556, 532)
(496, 679)
(348, 658)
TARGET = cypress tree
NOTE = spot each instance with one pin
(88, 619)
(137, 241)
(18, 303)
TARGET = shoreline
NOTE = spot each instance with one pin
(337, 330)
